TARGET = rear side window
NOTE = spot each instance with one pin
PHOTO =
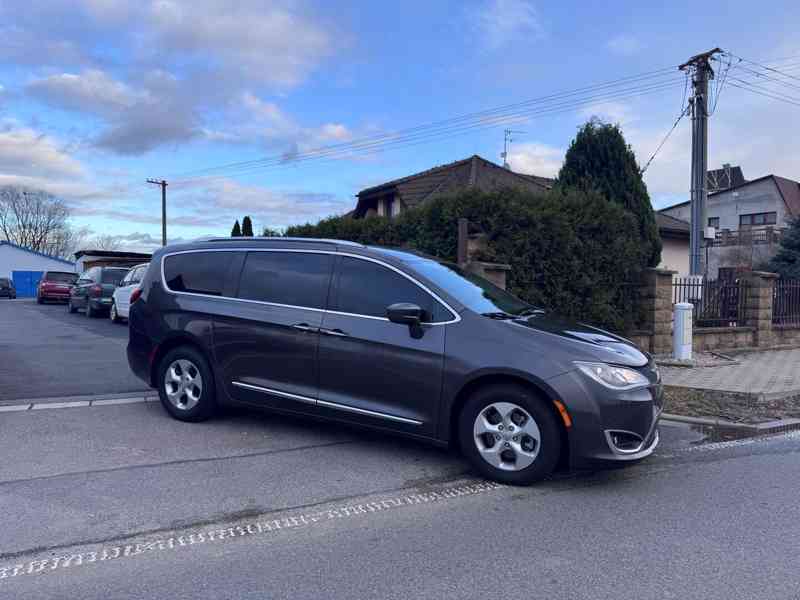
(293, 278)
(367, 288)
(60, 277)
(198, 272)
(113, 276)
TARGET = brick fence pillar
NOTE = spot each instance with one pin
(656, 295)
(758, 306)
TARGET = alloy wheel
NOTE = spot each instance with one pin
(507, 436)
(183, 384)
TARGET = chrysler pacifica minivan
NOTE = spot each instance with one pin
(392, 340)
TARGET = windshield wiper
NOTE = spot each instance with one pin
(528, 312)
(499, 315)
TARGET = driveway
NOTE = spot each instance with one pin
(47, 352)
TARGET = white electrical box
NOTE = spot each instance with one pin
(682, 331)
(710, 233)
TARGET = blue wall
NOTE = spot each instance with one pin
(26, 282)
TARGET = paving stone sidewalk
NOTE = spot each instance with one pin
(771, 373)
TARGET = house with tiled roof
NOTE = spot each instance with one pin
(393, 197)
(748, 217)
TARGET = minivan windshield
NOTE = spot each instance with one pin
(473, 291)
(61, 277)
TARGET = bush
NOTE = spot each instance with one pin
(571, 251)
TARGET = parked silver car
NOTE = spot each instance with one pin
(121, 299)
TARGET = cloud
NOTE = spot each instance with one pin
(501, 22)
(611, 112)
(624, 45)
(27, 152)
(536, 159)
(147, 126)
(92, 91)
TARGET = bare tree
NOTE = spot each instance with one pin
(105, 242)
(68, 241)
(32, 218)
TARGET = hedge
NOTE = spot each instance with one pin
(570, 251)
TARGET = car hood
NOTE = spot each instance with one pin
(591, 343)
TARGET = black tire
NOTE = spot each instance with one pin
(39, 300)
(549, 448)
(90, 312)
(70, 307)
(207, 403)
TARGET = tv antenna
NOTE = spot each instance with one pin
(507, 139)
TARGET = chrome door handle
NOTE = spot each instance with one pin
(303, 327)
(334, 332)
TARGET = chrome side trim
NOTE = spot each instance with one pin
(344, 407)
(456, 317)
(369, 413)
(258, 388)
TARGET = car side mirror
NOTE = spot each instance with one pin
(405, 313)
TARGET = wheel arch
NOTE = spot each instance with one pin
(536, 385)
(172, 342)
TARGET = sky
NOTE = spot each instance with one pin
(97, 96)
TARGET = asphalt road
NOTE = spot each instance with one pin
(47, 352)
(123, 502)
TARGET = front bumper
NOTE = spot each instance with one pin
(609, 426)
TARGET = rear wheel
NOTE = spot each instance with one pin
(186, 385)
(70, 307)
(90, 312)
(39, 300)
(509, 434)
(112, 313)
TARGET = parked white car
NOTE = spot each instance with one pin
(121, 300)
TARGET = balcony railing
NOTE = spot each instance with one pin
(748, 237)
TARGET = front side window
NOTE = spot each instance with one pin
(198, 272)
(292, 278)
(368, 288)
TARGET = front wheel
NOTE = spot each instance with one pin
(186, 385)
(509, 434)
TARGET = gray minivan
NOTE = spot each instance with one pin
(393, 340)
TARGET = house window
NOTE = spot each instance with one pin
(757, 219)
(713, 222)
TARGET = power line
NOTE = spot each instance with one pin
(761, 77)
(750, 88)
(433, 134)
(684, 112)
(766, 67)
(657, 75)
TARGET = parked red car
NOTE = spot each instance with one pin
(55, 285)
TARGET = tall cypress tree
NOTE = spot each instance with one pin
(236, 231)
(599, 159)
(786, 261)
(247, 227)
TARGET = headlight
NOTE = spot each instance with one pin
(618, 378)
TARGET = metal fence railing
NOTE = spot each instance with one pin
(717, 302)
(786, 302)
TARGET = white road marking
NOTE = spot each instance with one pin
(16, 407)
(250, 527)
(114, 401)
(47, 405)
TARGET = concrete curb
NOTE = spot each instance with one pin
(768, 427)
(78, 401)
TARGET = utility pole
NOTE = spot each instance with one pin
(700, 67)
(506, 141)
(163, 185)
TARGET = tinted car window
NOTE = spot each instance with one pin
(4, 282)
(113, 276)
(198, 272)
(367, 288)
(60, 277)
(293, 278)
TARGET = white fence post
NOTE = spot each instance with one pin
(682, 331)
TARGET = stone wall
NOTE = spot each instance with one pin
(760, 332)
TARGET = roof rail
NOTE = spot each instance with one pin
(281, 239)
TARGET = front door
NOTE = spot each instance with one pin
(370, 369)
(266, 341)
